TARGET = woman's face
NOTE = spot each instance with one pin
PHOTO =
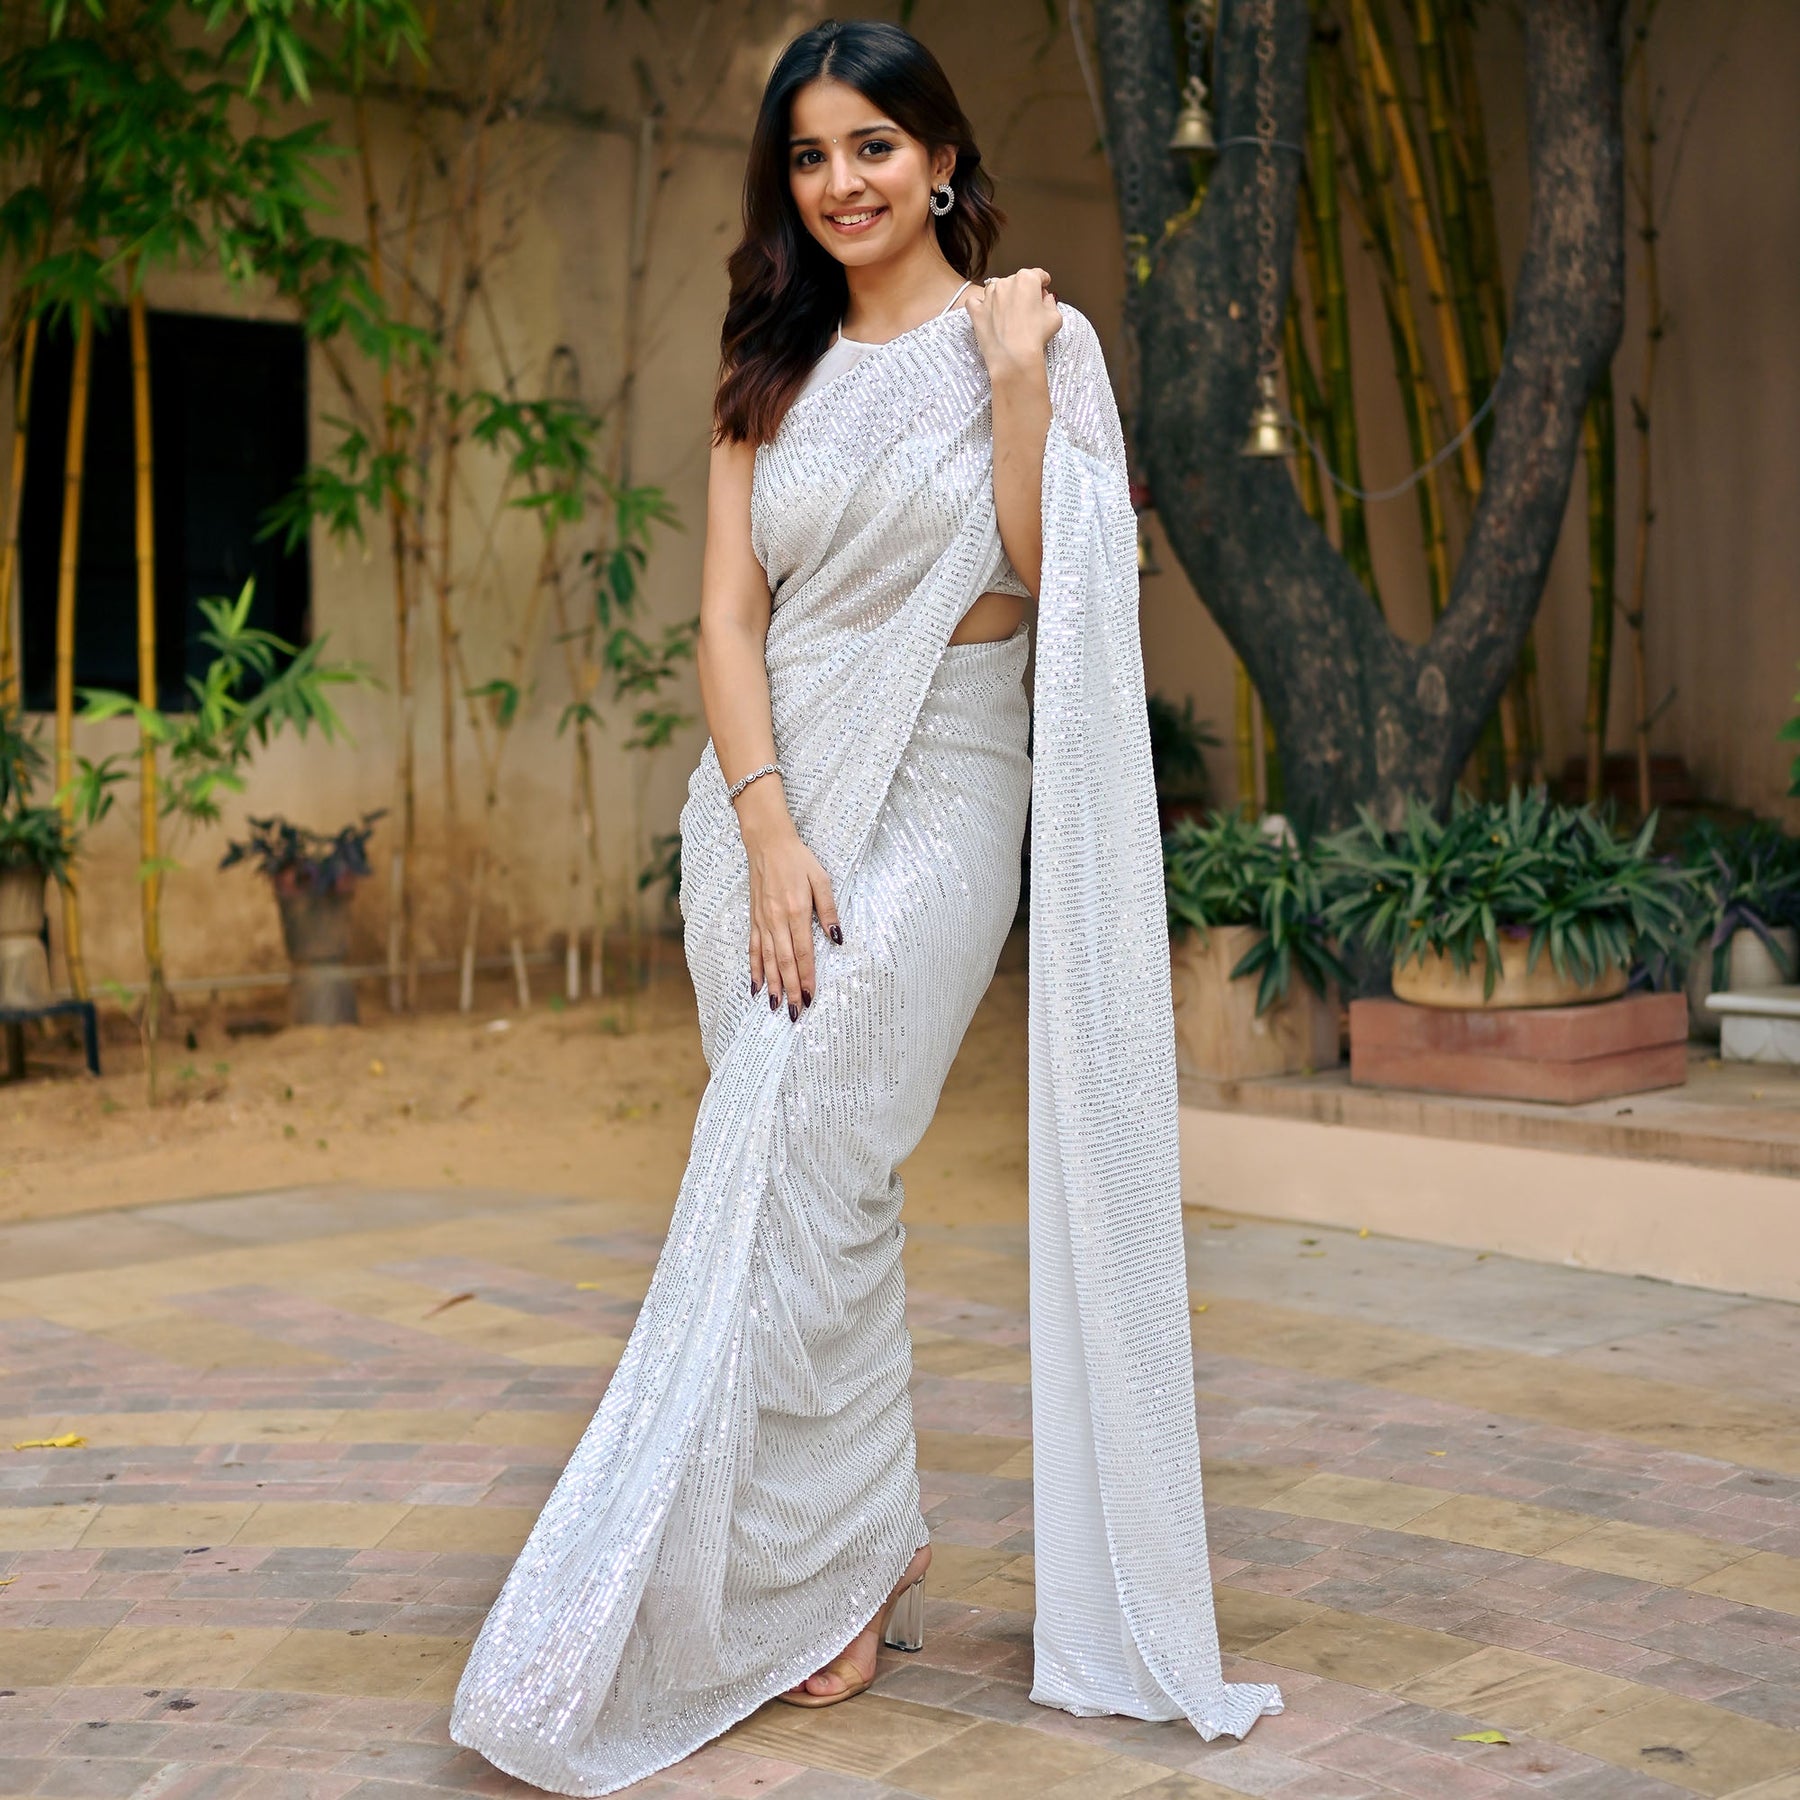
(863, 186)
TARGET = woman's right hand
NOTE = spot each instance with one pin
(788, 886)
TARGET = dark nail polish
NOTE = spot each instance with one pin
(774, 1001)
(836, 934)
(806, 996)
(793, 1012)
(755, 989)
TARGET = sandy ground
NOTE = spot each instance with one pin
(591, 1101)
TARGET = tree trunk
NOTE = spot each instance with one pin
(1361, 716)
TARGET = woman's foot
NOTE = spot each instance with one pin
(861, 1651)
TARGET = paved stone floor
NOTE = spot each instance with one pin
(1449, 1494)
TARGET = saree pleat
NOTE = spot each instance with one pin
(747, 1492)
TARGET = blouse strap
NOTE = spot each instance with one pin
(953, 299)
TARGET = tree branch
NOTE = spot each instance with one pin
(1567, 316)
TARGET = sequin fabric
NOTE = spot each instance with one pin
(747, 1493)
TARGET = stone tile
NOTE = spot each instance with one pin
(190, 1656)
(1643, 1553)
(869, 1738)
(1365, 1652)
(992, 1761)
(330, 1662)
(43, 1657)
(1702, 1748)
(1762, 1578)
(1357, 1502)
(1512, 1691)
(1493, 1524)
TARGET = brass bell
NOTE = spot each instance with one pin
(1270, 433)
(1193, 133)
(1146, 553)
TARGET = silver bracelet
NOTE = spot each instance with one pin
(738, 786)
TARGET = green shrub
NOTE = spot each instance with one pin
(1561, 874)
(1223, 870)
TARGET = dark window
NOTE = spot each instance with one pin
(228, 439)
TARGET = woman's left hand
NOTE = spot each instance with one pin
(1014, 317)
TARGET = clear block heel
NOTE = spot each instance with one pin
(906, 1622)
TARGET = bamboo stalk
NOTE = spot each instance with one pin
(9, 556)
(400, 864)
(1437, 285)
(1418, 394)
(74, 464)
(1453, 210)
(1353, 527)
(149, 791)
(1598, 447)
(1484, 231)
(1655, 325)
(1245, 737)
(1303, 389)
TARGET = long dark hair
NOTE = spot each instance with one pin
(787, 291)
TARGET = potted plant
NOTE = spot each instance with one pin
(1178, 745)
(313, 876)
(1745, 913)
(1247, 911)
(1507, 904)
(34, 847)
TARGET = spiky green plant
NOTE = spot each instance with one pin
(1525, 866)
(1744, 880)
(1223, 870)
(31, 836)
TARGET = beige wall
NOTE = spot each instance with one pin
(1725, 628)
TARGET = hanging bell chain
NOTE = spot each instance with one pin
(1270, 434)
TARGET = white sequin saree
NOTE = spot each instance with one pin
(747, 1493)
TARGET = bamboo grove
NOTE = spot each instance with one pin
(148, 136)
(1398, 165)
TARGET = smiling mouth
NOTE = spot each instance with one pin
(860, 220)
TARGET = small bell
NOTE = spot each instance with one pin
(1146, 553)
(1193, 133)
(1270, 434)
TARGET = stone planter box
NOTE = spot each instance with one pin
(1761, 1027)
(1217, 1032)
(1750, 970)
(1561, 1054)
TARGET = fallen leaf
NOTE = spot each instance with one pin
(1483, 1737)
(1363, 1232)
(1309, 1240)
(1312, 1252)
(1229, 1225)
(1437, 1452)
(377, 1066)
(68, 1441)
(586, 1287)
(1200, 1308)
(7, 1580)
(445, 1305)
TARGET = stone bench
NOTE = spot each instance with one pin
(1761, 1025)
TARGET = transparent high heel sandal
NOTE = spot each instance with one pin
(902, 1629)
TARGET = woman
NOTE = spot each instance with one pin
(902, 454)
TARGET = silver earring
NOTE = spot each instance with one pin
(943, 197)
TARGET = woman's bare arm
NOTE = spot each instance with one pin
(787, 883)
(1014, 319)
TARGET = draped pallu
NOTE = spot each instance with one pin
(746, 1495)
